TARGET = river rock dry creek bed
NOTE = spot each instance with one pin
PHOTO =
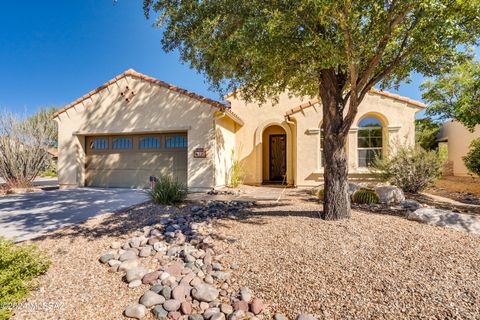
(268, 260)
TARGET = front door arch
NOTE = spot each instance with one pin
(260, 143)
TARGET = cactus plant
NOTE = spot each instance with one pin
(365, 196)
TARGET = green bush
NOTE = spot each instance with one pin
(412, 169)
(472, 159)
(19, 265)
(321, 194)
(168, 191)
(365, 196)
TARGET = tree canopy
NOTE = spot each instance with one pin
(268, 47)
(334, 50)
(456, 95)
(426, 132)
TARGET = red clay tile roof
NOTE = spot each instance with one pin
(130, 72)
(373, 90)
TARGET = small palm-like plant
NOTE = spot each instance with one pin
(236, 172)
(168, 191)
(365, 196)
(321, 194)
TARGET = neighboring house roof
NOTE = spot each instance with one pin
(373, 90)
(130, 72)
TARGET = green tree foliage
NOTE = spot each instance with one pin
(456, 94)
(472, 159)
(426, 133)
(19, 265)
(332, 50)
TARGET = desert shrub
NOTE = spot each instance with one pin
(472, 159)
(168, 191)
(24, 143)
(19, 265)
(365, 196)
(236, 172)
(412, 169)
(321, 194)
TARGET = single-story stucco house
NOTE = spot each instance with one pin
(458, 139)
(135, 126)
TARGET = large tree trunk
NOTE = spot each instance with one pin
(336, 199)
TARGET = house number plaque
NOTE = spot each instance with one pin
(200, 153)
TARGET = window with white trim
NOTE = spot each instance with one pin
(370, 141)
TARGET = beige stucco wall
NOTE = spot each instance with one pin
(152, 109)
(459, 139)
(224, 149)
(303, 134)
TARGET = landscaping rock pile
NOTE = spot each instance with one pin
(390, 194)
(191, 281)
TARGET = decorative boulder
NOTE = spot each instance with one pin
(205, 292)
(390, 194)
(136, 311)
(410, 204)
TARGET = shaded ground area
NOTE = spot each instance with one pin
(462, 189)
(45, 183)
(371, 266)
(30, 215)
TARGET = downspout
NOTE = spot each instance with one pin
(287, 120)
(215, 118)
(294, 149)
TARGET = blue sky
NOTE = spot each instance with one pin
(52, 52)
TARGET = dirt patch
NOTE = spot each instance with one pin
(462, 189)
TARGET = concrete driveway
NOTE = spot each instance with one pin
(27, 216)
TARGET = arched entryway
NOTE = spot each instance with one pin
(274, 151)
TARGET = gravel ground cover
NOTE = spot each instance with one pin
(77, 285)
(371, 266)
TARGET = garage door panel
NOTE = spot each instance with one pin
(132, 168)
(145, 161)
